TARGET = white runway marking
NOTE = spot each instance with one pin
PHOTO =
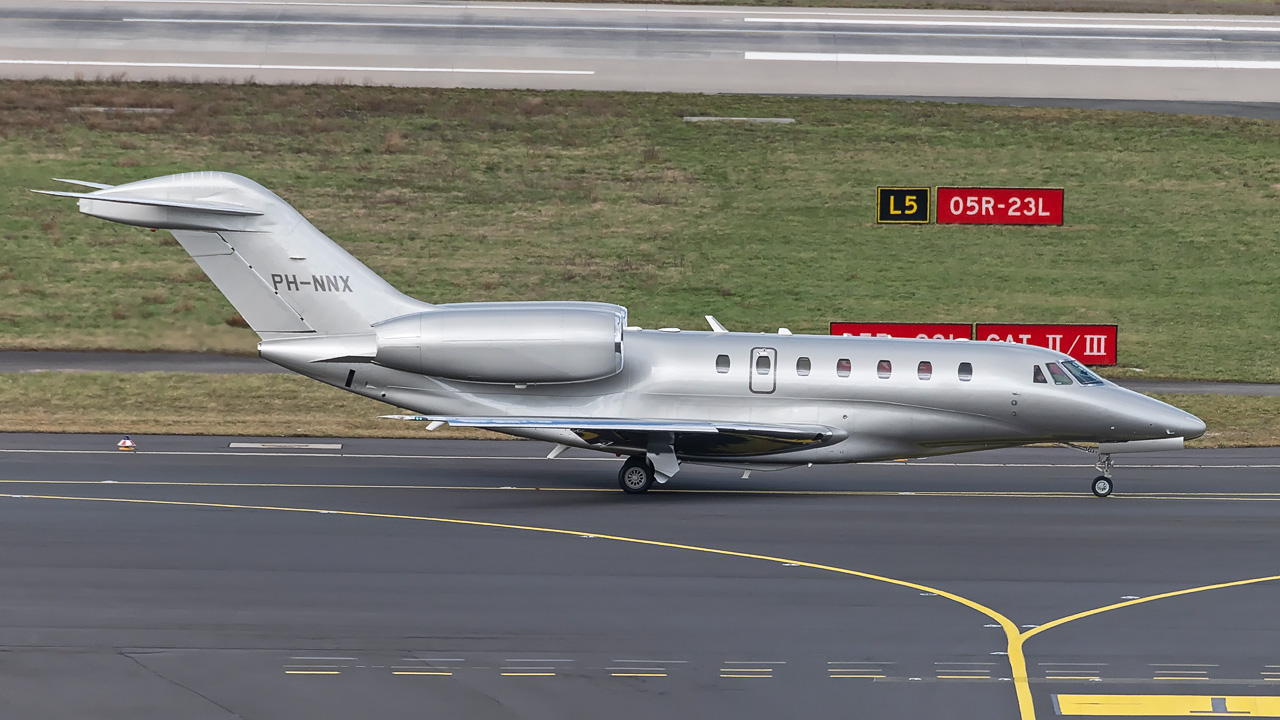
(324, 68)
(576, 8)
(1208, 64)
(1047, 25)
(649, 29)
(286, 446)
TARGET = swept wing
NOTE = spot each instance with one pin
(690, 438)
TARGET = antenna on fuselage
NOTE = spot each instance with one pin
(715, 325)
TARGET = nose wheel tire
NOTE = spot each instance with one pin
(1102, 486)
(636, 476)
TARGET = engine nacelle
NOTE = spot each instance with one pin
(517, 342)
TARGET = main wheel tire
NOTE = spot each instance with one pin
(636, 476)
(1102, 486)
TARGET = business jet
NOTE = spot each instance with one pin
(575, 374)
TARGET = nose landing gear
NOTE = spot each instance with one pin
(1102, 485)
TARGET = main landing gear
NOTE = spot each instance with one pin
(636, 475)
(1102, 485)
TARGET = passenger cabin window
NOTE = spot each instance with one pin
(843, 367)
(924, 370)
(1038, 375)
(762, 365)
(966, 372)
(803, 366)
(1060, 377)
(1082, 374)
(884, 369)
(722, 363)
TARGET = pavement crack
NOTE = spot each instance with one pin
(177, 684)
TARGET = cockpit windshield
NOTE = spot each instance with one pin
(1082, 374)
(1059, 377)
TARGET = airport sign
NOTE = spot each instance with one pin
(901, 205)
(1090, 344)
(1000, 206)
(920, 331)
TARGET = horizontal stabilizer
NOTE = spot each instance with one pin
(84, 183)
(156, 202)
(150, 212)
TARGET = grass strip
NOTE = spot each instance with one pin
(501, 195)
(294, 406)
(197, 404)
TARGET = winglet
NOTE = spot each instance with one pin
(715, 325)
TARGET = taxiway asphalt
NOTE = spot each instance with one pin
(475, 579)
(681, 48)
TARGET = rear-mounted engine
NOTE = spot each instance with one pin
(535, 342)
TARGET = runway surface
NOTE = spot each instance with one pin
(410, 579)
(652, 48)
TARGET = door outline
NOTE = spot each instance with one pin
(763, 384)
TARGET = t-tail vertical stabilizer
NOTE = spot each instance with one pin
(282, 275)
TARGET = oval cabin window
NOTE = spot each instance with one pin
(924, 370)
(884, 369)
(722, 363)
(803, 366)
(843, 367)
(966, 372)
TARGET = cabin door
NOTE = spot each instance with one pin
(764, 370)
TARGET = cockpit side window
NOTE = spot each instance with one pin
(1060, 377)
(1082, 374)
(1038, 375)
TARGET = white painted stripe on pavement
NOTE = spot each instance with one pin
(286, 445)
(325, 68)
(1208, 64)
(1045, 25)
(1171, 21)
(652, 29)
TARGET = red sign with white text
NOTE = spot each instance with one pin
(1090, 344)
(922, 331)
(1000, 206)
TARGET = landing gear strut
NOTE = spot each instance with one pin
(636, 475)
(1102, 485)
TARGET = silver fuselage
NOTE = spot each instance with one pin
(674, 375)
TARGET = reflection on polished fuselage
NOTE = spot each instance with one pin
(905, 412)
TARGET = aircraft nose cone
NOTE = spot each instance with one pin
(1188, 426)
